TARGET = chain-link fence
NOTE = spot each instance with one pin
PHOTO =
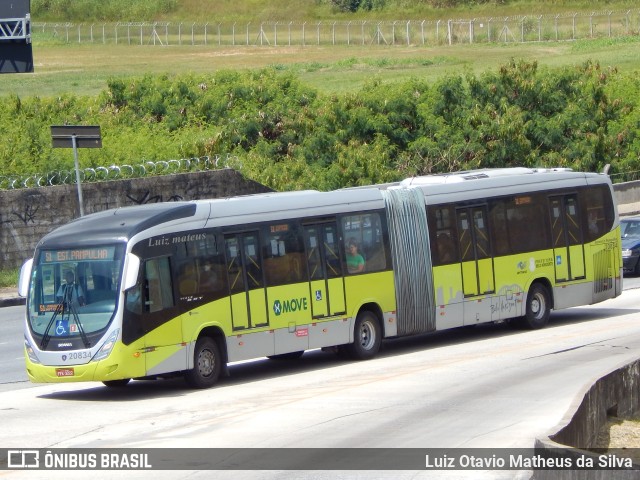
(115, 172)
(498, 29)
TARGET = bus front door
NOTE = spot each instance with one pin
(246, 284)
(475, 252)
(567, 238)
(326, 283)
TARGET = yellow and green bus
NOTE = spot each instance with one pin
(184, 288)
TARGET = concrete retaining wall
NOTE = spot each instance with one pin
(616, 394)
(26, 215)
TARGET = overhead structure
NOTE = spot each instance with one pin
(16, 54)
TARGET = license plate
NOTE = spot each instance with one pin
(65, 372)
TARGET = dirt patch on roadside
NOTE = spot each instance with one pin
(620, 433)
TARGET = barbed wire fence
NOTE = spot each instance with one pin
(117, 172)
(496, 29)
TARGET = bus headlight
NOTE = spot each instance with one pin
(31, 353)
(107, 346)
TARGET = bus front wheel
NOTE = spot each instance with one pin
(538, 307)
(367, 337)
(207, 364)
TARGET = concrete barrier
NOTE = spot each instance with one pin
(616, 394)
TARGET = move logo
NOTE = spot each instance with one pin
(290, 306)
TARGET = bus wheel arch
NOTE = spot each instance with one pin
(209, 360)
(538, 305)
(367, 333)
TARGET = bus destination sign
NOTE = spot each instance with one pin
(79, 254)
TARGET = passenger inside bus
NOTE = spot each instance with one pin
(445, 248)
(355, 261)
(210, 280)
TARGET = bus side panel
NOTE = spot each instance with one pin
(449, 296)
(245, 346)
(216, 313)
(329, 333)
(164, 350)
(290, 313)
(377, 288)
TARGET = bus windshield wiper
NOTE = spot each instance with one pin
(61, 309)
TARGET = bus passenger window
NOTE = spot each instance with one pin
(159, 284)
(364, 244)
(446, 248)
(284, 258)
(442, 234)
(133, 300)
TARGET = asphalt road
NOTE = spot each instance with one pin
(488, 386)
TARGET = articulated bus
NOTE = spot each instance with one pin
(184, 288)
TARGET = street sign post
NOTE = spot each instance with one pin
(76, 136)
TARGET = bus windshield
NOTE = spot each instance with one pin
(73, 292)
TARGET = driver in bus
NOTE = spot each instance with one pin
(70, 291)
(355, 261)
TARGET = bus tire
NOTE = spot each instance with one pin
(538, 307)
(367, 337)
(123, 382)
(207, 364)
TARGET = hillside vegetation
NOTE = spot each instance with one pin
(287, 134)
(241, 10)
(290, 136)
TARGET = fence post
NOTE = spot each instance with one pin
(349, 33)
(422, 31)
(408, 37)
(248, 33)
(290, 23)
(471, 31)
(540, 28)
(141, 34)
(449, 33)
(205, 32)
(318, 33)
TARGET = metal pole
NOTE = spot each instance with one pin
(75, 157)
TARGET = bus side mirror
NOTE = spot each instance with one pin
(25, 276)
(131, 271)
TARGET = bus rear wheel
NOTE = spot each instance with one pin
(367, 337)
(207, 364)
(538, 307)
